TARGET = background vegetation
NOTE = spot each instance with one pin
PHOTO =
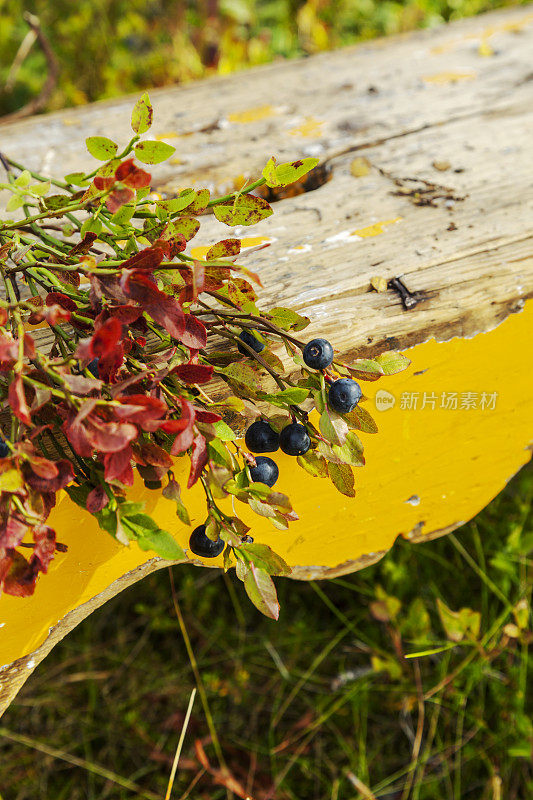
(110, 47)
(322, 705)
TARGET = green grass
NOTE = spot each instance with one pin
(319, 705)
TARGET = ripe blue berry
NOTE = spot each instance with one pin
(294, 439)
(202, 545)
(4, 449)
(251, 341)
(153, 484)
(318, 354)
(247, 540)
(261, 438)
(92, 366)
(344, 395)
(265, 471)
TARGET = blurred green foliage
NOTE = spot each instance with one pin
(109, 47)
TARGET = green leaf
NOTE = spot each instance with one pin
(351, 451)
(283, 174)
(224, 432)
(333, 427)
(162, 543)
(285, 397)
(224, 249)
(459, 624)
(76, 179)
(57, 201)
(265, 558)
(392, 362)
(14, 202)
(361, 420)
(288, 320)
(187, 226)
(365, 369)
(142, 114)
(342, 478)
(314, 464)
(261, 591)
(123, 215)
(23, 179)
(101, 147)
(40, 189)
(186, 197)
(246, 209)
(153, 152)
(242, 376)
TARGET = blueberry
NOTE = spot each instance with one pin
(318, 354)
(344, 395)
(4, 449)
(265, 471)
(251, 341)
(202, 545)
(247, 540)
(92, 366)
(294, 439)
(261, 438)
(153, 484)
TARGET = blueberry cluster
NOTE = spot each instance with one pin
(4, 449)
(294, 440)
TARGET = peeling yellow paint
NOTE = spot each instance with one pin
(449, 77)
(443, 456)
(253, 114)
(486, 33)
(310, 128)
(375, 229)
(250, 241)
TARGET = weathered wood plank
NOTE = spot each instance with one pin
(403, 104)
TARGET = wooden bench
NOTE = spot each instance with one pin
(440, 195)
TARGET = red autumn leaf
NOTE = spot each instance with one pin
(194, 373)
(118, 198)
(17, 400)
(183, 427)
(195, 334)
(3, 316)
(80, 385)
(64, 475)
(199, 459)
(109, 437)
(29, 346)
(97, 499)
(125, 314)
(43, 467)
(45, 545)
(106, 338)
(108, 366)
(76, 432)
(207, 416)
(85, 245)
(132, 176)
(160, 306)
(51, 314)
(174, 244)
(9, 349)
(117, 466)
(60, 299)
(154, 455)
(140, 341)
(148, 259)
(102, 183)
(12, 532)
(140, 408)
(18, 575)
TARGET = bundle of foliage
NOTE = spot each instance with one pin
(138, 330)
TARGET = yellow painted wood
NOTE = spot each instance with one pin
(428, 470)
